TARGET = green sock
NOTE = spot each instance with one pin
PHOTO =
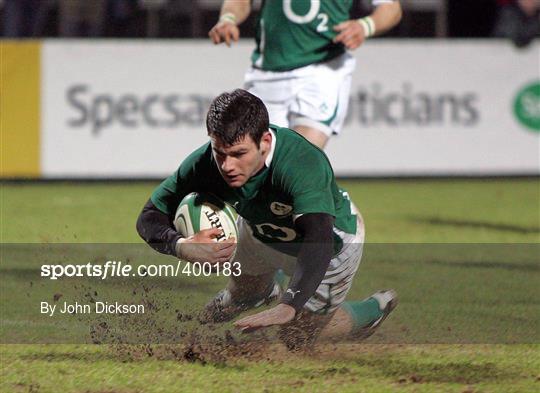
(280, 278)
(362, 312)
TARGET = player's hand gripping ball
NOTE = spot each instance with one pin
(197, 212)
(207, 213)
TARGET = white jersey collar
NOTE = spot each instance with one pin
(270, 155)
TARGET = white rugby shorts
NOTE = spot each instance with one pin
(256, 259)
(315, 96)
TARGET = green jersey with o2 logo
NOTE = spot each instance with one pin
(295, 33)
(298, 180)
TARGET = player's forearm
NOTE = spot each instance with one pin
(313, 258)
(239, 8)
(386, 16)
(156, 229)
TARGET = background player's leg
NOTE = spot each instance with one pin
(321, 103)
(318, 138)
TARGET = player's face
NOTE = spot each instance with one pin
(239, 162)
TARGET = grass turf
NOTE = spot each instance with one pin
(478, 211)
(446, 290)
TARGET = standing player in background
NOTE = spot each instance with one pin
(300, 66)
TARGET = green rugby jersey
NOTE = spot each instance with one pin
(295, 33)
(299, 180)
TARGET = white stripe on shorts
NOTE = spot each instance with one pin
(256, 258)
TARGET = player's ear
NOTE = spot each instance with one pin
(266, 141)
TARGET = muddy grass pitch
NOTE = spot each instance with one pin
(463, 256)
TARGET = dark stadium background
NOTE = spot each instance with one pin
(193, 19)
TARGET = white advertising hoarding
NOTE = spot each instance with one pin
(136, 109)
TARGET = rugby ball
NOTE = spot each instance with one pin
(199, 211)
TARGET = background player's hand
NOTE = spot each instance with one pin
(278, 315)
(224, 31)
(351, 34)
(202, 247)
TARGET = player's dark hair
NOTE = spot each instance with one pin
(236, 114)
